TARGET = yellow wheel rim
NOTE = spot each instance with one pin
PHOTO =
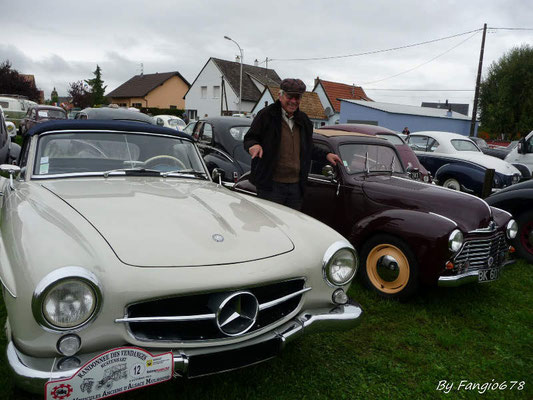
(373, 265)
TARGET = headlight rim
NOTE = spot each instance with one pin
(52, 280)
(508, 228)
(450, 240)
(329, 256)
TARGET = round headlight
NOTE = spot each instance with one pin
(512, 229)
(69, 304)
(455, 241)
(66, 299)
(340, 264)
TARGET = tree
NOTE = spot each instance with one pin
(97, 88)
(11, 82)
(54, 98)
(506, 95)
(81, 96)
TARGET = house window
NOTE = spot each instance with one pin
(192, 114)
(203, 92)
(138, 105)
(216, 92)
(122, 105)
(172, 107)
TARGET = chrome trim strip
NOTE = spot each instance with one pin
(273, 303)
(185, 318)
(178, 318)
(458, 280)
(442, 216)
(245, 191)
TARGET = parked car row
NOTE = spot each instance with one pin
(190, 278)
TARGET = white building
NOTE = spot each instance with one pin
(215, 91)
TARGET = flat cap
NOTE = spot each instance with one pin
(291, 85)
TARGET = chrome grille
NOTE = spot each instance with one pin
(476, 253)
(192, 318)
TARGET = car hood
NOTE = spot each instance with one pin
(468, 212)
(151, 222)
(501, 166)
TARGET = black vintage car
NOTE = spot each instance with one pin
(518, 200)
(407, 232)
(220, 141)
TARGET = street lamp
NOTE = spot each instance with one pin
(240, 83)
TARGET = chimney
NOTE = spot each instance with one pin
(317, 79)
(353, 89)
(256, 63)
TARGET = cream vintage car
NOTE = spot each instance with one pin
(123, 264)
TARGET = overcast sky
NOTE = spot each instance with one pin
(62, 42)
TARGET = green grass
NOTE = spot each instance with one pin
(479, 333)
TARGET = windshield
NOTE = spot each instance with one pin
(87, 152)
(238, 132)
(52, 114)
(379, 158)
(422, 143)
(176, 123)
(464, 145)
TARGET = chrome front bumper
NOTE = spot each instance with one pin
(464, 278)
(32, 373)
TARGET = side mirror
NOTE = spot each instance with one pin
(8, 171)
(329, 172)
(520, 147)
(217, 175)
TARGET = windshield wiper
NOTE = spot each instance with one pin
(184, 172)
(133, 172)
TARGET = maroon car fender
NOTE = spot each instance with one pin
(426, 234)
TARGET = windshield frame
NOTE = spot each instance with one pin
(392, 148)
(34, 148)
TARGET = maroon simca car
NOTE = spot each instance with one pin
(408, 233)
(414, 169)
(40, 113)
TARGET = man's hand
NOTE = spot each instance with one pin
(256, 151)
(332, 158)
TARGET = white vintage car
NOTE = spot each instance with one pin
(123, 264)
(170, 121)
(457, 163)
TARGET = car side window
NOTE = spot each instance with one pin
(422, 143)
(207, 134)
(33, 113)
(316, 166)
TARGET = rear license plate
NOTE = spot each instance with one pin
(489, 274)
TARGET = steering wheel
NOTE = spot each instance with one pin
(176, 161)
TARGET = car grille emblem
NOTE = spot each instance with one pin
(218, 238)
(237, 313)
(490, 261)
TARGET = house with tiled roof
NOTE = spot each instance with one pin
(330, 93)
(310, 104)
(161, 90)
(215, 91)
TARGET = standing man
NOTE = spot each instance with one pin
(280, 142)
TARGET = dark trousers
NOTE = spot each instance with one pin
(287, 194)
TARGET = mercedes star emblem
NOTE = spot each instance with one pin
(218, 238)
(237, 313)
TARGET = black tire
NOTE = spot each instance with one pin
(389, 267)
(523, 243)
